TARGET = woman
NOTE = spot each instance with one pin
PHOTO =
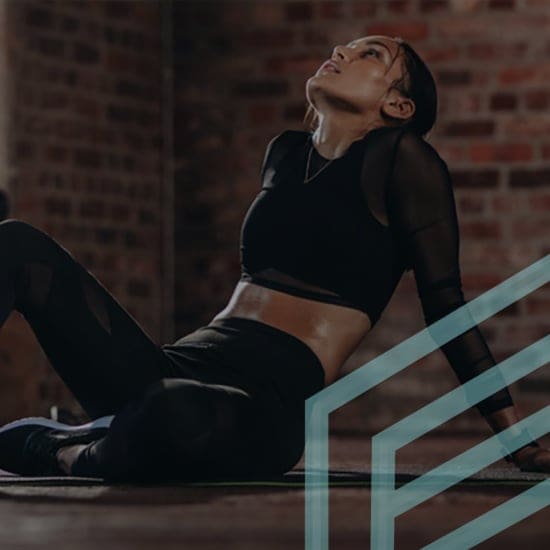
(342, 213)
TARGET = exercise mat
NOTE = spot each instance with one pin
(296, 478)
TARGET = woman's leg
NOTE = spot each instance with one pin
(99, 351)
(178, 429)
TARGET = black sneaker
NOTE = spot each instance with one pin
(28, 446)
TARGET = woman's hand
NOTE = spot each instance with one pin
(532, 459)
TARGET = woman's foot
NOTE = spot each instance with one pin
(66, 457)
(29, 446)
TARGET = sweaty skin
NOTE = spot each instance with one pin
(331, 331)
(348, 105)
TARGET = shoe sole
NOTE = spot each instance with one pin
(103, 422)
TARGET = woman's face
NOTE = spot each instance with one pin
(366, 67)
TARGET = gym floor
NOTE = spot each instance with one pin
(77, 514)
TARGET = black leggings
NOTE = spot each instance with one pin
(226, 400)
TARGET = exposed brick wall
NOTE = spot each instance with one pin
(242, 68)
(85, 157)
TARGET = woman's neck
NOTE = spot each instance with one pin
(332, 138)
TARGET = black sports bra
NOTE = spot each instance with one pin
(319, 240)
(347, 236)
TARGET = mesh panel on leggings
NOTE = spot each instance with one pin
(38, 279)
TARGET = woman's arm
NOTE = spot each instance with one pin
(530, 457)
(422, 214)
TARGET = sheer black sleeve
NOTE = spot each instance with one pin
(267, 156)
(274, 151)
(422, 214)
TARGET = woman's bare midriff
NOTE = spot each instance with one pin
(332, 331)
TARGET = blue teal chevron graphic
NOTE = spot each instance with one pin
(386, 502)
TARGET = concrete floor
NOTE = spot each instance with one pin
(77, 514)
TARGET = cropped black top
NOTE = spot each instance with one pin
(347, 236)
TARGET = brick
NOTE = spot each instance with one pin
(539, 202)
(526, 126)
(69, 24)
(86, 107)
(471, 204)
(456, 26)
(268, 39)
(506, 204)
(485, 253)
(100, 134)
(429, 6)
(147, 217)
(331, 9)
(468, 128)
(131, 239)
(453, 77)
(507, 152)
(106, 235)
(489, 50)
(439, 53)
(530, 229)
(517, 75)
(475, 282)
(523, 335)
(298, 11)
(267, 14)
(116, 9)
(57, 206)
(134, 90)
(56, 154)
(53, 99)
(263, 113)
(397, 6)
(51, 47)
(363, 9)
(535, 305)
(294, 111)
(137, 288)
(481, 229)
(87, 158)
(502, 4)
(84, 53)
(120, 113)
(146, 118)
(39, 17)
(119, 62)
(134, 140)
(451, 151)
(25, 149)
(293, 64)
(503, 102)
(260, 88)
(529, 177)
(119, 212)
(537, 100)
(475, 178)
(94, 209)
(464, 102)
(67, 129)
(511, 311)
(409, 30)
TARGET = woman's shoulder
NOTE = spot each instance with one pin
(290, 135)
(413, 146)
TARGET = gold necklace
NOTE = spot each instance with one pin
(306, 179)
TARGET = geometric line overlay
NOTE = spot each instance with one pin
(387, 503)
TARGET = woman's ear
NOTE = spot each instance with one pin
(398, 106)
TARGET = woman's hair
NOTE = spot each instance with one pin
(417, 83)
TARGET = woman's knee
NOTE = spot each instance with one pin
(16, 228)
(182, 406)
(25, 242)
